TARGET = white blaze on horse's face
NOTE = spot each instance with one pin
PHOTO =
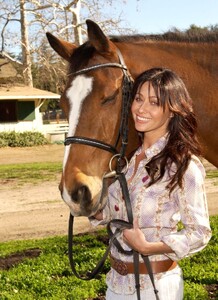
(80, 87)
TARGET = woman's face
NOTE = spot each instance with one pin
(149, 117)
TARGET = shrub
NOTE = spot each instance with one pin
(195, 291)
(22, 139)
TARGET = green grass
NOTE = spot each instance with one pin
(212, 174)
(30, 172)
(49, 276)
(37, 172)
(201, 270)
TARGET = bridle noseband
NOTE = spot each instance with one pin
(89, 142)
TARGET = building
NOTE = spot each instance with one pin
(19, 108)
(20, 105)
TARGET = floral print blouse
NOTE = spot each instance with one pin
(158, 214)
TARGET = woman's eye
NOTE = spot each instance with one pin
(154, 101)
(138, 99)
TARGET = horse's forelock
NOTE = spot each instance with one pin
(81, 57)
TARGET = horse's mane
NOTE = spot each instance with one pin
(84, 53)
(169, 36)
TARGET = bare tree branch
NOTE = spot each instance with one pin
(4, 54)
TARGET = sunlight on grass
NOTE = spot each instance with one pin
(212, 174)
(30, 172)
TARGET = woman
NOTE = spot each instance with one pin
(166, 184)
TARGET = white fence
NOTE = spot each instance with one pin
(20, 126)
(55, 132)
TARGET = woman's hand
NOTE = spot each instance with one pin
(99, 215)
(136, 240)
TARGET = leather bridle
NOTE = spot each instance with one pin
(126, 98)
(118, 224)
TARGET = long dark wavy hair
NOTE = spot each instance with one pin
(182, 128)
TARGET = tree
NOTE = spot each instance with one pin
(27, 72)
(17, 13)
(35, 17)
(194, 33)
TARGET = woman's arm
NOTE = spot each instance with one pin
(136, 240)
(196, 233)
(192, 203)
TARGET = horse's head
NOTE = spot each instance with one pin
(92, 102)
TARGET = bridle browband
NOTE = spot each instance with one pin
(99, 66)
(118, 224)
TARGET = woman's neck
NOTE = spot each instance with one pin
(150, 139)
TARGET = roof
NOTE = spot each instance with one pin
(25, 92)
(6, 68)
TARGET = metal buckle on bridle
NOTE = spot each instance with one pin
(113, 172)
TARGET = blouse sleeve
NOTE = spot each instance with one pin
(193, 208)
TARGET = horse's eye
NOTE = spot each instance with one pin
(110, 98)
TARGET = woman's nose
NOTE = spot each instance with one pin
(143, 107)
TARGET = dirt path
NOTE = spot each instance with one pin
(36, 211)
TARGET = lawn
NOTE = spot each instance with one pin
(47, 275)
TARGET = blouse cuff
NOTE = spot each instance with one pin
(179, 245)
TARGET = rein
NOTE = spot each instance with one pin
(120, 225)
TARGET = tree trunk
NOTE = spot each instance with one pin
(27, 74)
(76, 23)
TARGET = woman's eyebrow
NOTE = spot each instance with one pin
(141, 94)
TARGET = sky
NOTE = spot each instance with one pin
(159, 16)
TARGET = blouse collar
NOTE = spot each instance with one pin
(156, 148)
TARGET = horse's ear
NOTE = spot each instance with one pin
(97, 38)
(63, 48)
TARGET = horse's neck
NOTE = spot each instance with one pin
(194, 63)
(179, 56)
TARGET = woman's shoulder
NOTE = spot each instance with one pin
(195, 168)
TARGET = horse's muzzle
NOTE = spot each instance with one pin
(82, 195)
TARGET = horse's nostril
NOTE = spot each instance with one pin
(82, 194)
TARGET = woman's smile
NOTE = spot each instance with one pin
(142, 119)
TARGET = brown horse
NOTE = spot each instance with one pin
(92, 101)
